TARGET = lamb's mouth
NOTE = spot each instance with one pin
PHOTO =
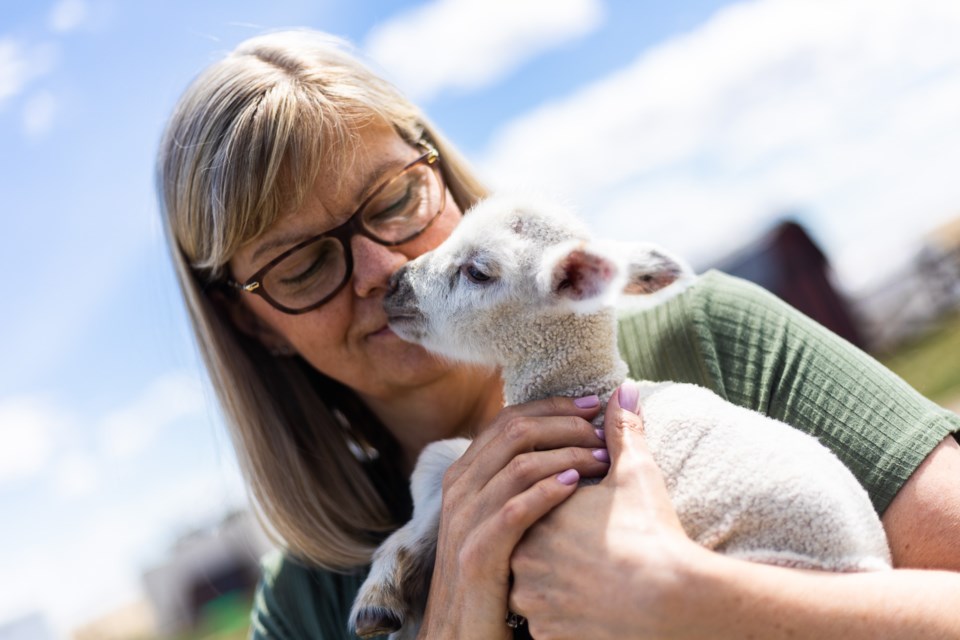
(406, 324)
(401, 318)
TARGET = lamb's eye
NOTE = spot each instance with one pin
(474, 274)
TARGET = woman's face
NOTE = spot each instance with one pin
(347, 338)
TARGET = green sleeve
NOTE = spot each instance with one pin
(297, 602)
(754, 350)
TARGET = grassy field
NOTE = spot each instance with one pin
(931, 363)
(226, 618)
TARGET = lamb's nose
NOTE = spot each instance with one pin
(396, 280)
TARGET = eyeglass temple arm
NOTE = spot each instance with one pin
(432, 153)
(252, 286)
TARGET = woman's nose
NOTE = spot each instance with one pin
(373, 264)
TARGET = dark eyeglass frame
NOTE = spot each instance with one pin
(343, 233)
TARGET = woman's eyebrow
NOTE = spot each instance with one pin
(286, 240)
(377, 178)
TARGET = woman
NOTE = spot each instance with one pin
(294, 182)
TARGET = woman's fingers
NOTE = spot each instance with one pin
(528, 469)
(526, 428)
(623, 429)
(503, 531)
(585, 408)
(499, 473)
(633, 469)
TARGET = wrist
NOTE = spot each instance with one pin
(463, 620)
(452, 630)
(694, 571)
(676, 578)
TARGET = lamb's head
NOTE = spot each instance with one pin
(507, 269)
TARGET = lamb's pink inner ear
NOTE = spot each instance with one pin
(581, 275)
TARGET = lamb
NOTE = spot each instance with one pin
(521, 286)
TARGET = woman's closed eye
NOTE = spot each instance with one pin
(304, 268)
(389, 208)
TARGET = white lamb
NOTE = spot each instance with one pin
(522, 287)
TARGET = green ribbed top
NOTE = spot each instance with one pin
(749, 347)
(743, 343)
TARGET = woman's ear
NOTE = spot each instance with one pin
(249, 324)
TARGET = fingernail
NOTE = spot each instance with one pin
(587, 402)
(602, 455)
(568, 477)
(629, 396)
(601, 434)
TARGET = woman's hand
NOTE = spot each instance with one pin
(609, 562)
(524, 464)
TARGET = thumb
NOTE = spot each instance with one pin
(623, 428)
(633, 467)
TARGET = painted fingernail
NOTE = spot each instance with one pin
(601, 434)
(568, 477)
(587, 402)
(629, 396)
(602, 455)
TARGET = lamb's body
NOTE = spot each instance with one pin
(755, 488)
(742, 484)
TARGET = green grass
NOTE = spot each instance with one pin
(226, 618)
(931, 363)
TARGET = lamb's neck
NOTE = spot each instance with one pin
(571, 356)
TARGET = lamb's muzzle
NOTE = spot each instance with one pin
(400, 304)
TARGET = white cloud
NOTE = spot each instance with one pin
(20, 64)
(14, 69)
(39, 437)
(28, 426)
(845, 110)
(39, 112)
(68, 15)
(467, 44)
(76, 474)
(106, 551)
(129, 430)
(119, 532)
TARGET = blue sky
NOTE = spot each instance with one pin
(691, 123)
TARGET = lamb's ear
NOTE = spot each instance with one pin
(577, 272)
(650, 269)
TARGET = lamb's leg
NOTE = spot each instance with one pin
(399, 579)
(394, 594)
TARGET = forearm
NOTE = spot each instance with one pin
(922, 526)
(728, 598)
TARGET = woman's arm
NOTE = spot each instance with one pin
(614, 562)
(738, 599)
(923, 521)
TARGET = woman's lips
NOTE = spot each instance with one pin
(385, 330)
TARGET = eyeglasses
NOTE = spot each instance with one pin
(309, 274)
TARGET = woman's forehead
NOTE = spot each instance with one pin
(345, 180)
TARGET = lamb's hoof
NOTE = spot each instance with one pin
(376, 621)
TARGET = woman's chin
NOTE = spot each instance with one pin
(400, 359)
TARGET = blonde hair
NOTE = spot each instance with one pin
(243, 146)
